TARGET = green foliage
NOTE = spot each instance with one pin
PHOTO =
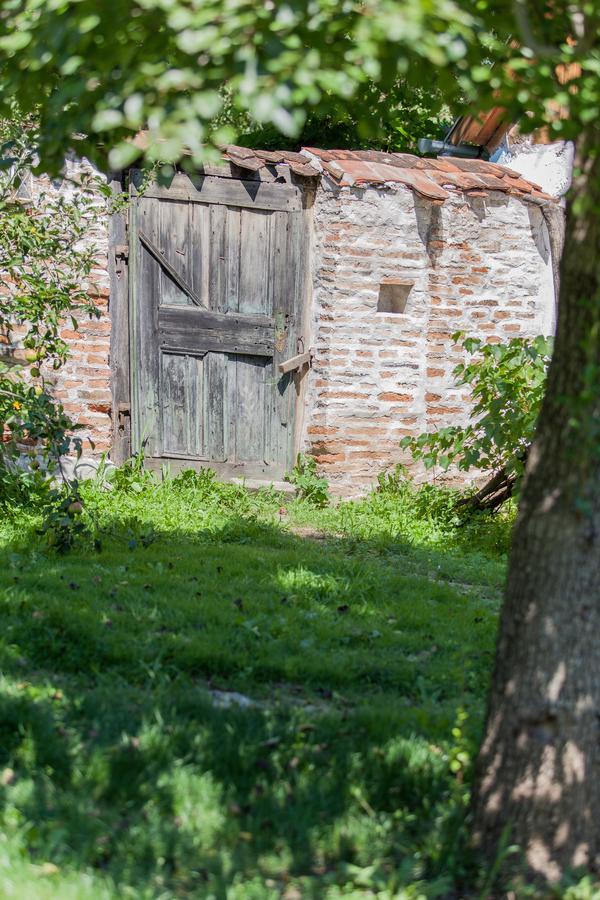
(307, 482)
(103, 71)
(430, 503)
(507, 384)
(63, 525)
(128, 769)
(45, 264)
(131, 476)
(399, 119)
(121, 775)
(117, 68)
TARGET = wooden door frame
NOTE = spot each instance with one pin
(118, 306)
(121, 357)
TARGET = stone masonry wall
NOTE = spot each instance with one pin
(480, 264)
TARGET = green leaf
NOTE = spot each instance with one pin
(18, 40)
(123, 155)
(88, 23)
(106, 119)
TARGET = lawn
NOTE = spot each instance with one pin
(234, 695)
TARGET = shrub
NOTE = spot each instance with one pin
(45, 265)
(507, 383)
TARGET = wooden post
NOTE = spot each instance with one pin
(118, 253)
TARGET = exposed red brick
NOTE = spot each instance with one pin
(390, 396)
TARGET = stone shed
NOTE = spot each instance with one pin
(303, 301)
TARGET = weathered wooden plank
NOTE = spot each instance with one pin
(298, 256)
(174, 289)
(145, 358)
(217, 251)
(194, 318)
(214, 332)
(249, 341)
(216, 256)
(232, 262)
(181, 392)
(252, 419)
(228, 191)
(259, 470)
(295, 362)
(224, 258)
(285, 339)
(255, 262)
(286, 248)
(199, 243)
(119, 332)
(214, 411)
(173, 251)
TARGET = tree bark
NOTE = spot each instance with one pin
(537, 781)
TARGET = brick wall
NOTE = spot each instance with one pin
(478, 264)
(83, 384)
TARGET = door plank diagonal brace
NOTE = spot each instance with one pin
(162, 260)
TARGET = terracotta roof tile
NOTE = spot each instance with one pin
(242, 152)
(461, 180)
(440, 165)
(423, 184)
(541, 195)
(323, 155)
(409, 161)
(429, 178)
(478, 166)
(304, 168)
(270, 156)
(251, 163)
(519, 185)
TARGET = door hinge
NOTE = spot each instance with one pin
(123, 415)
(121, 252)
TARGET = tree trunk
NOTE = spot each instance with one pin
(538, 773)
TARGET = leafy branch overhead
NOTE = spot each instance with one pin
(96, 73)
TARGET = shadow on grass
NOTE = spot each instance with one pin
(122, 762)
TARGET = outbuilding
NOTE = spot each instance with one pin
(303, 301)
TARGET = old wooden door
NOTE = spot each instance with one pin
(217, 270)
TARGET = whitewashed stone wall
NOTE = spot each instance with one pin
(480, 265)
(549, 165)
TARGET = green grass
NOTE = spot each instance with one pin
(359, 633)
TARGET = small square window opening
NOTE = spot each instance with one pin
(393, 296)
